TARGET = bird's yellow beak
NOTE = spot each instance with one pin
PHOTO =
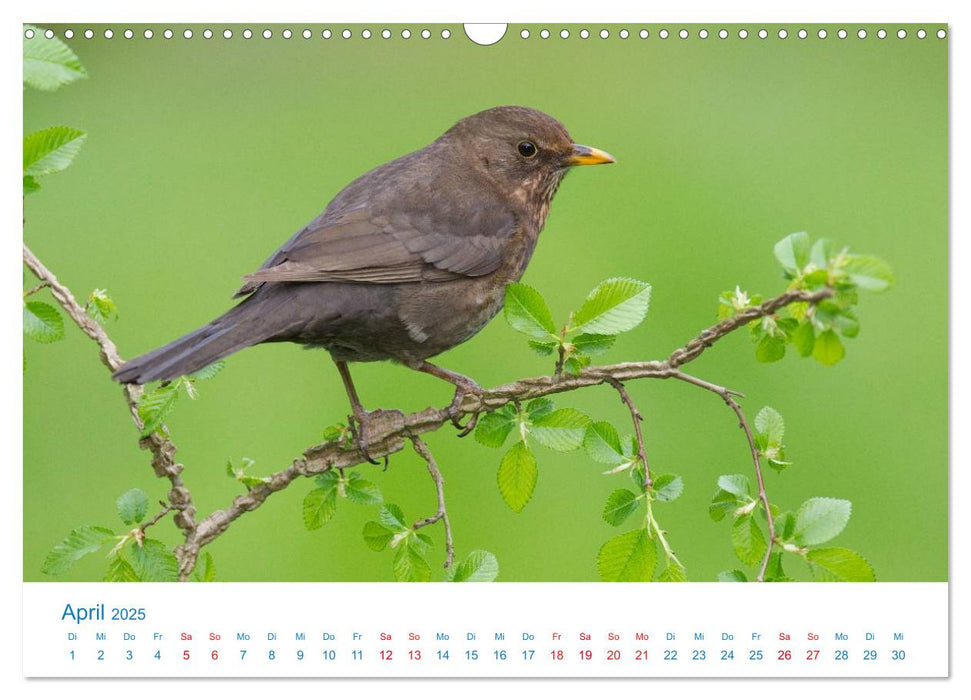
(585, 155)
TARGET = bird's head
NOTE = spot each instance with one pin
(524, 150)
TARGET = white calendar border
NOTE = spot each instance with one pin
(571, 630)
(507, 10)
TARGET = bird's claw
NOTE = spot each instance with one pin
(358, 425)
(468, 427)
(455, 412)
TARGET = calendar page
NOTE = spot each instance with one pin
(330, 371)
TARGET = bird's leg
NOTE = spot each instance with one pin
(360, 415)
(463, 387)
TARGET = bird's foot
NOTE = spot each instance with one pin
(455, 412)
(358, 424)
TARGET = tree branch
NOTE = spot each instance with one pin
(162, 449)
(636, 418)
(729, 397)
(388, 429)
(422, 449)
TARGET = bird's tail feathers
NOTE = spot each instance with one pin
(236, 329)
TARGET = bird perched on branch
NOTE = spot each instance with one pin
(407, 261)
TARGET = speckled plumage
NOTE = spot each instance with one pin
(407, 261)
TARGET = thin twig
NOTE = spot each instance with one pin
(422, 449)
(636, 418)
(697, 345)
(729, 397)
(36, 288)
(669, 554)
(560, 359)
(167, 508)
(139, 532)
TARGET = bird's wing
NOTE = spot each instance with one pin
(364, 246)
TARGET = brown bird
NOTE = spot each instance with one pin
(407, 261)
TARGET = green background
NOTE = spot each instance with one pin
(203, 156)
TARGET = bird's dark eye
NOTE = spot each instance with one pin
(527, 149)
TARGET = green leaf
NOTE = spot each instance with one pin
(478, 565)
(30, 184)
(804, 338)
(392, 517)
(592, 343)
(769, 423)
(154, 406)
(333, 432)
(736, 484)
(517, 476)
(421, 542)
(620, 505)
(205, 571)
(152, 561)
(561, 430)
(537, 408)
(733, 576)
(132, 506)
(328, 479)
(80, 541)
(120, 571)
(376, 535)
(614, 306)
(816, 279)
(748, 540)
(543, 349)
(668, 487)
(49, 63)
(822, 253)
(628, 557)
(575, 363)
(410, 565)
(785, 326)
(820, 520)
(785, 525)
(840, 564)
(792, 252)
(493, 428)
(319, 506)
(770, 348)
(602, 444)
(42, 322)
(828, 349)
(842, 319)
(868, 272)
(51, 150)
(526, 311)
(209, 371)
(360, 491)
(848, 324)
(100, 306)
(722, 503)
(673, 573)
(239, 474)
(774, 572)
